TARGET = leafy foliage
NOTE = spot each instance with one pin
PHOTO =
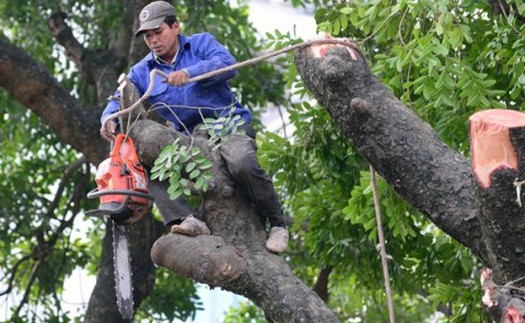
(48, 236)
(42, 190)
(245, 312)
(185, 168)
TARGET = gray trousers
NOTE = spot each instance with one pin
(239, 154)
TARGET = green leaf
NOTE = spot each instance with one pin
(175, 194)
(455, 37)
(195, 173)
(199, 183)
(190, 166)
(346, 10)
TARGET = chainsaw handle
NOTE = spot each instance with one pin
(96, 193)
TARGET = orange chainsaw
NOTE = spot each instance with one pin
(122, 184)
(122, 188)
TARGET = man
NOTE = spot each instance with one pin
(180, 58)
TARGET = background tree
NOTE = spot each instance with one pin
(445, 60)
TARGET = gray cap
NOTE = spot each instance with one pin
(153, 14)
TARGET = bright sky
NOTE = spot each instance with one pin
(268, 15)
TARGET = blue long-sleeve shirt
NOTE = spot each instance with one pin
(198, 54)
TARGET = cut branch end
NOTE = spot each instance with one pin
(491, 147)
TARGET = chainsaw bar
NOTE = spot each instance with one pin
(122, 264)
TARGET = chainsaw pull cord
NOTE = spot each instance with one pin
(334, 41)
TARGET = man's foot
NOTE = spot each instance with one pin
(278, 240)
(191, 226)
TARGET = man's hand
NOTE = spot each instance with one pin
(108, 130)
(178, 78)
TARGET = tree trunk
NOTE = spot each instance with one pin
(401, 147)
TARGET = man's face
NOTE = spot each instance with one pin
(163, 41)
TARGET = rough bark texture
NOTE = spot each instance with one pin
(234, 256)
(33, 86)
(410, 156)
(321, 285)
(401, 147)
(498, 206)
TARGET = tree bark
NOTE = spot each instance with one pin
(32, 85)
(400, 146)
(321, 285)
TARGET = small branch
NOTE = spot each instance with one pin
(13, 274)
(32, 278)
(68, 174)
(64, 35)
(283, 121)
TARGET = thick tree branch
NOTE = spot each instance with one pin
(32, 85)
(233, 257)
(92, 64)
(402, 148)
(64, 35)
(137, 48)
(498, 160)
(208, 259)
(264, 278)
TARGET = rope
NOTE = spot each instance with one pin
(382, 248)
(334, 41)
